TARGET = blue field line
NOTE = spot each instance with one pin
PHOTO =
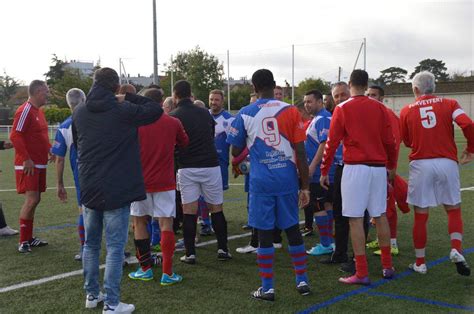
(420, 300)
(376, 284)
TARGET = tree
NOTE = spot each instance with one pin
(240, 96)
(437, 67)
(391, 75)
(56, 70)
(72, 78)
(202, 70)
(312, 83)
(8, 87)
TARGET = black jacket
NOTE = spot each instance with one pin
(199, 125)
(105, 132)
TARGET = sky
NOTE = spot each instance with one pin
(258, 34)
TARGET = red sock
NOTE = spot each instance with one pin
(386, 257)
(419, 237)
(392, 221)
(26, 229)
(167, 248)
(362, 269)
(455, 228)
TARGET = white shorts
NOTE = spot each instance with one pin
(363, 187)
(194, 182)
(158, 204)
(433, 182)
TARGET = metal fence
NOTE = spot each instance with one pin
(5, 131)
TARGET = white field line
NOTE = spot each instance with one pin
(79, 272)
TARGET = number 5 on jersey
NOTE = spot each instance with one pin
(270, 129)
(428, 117)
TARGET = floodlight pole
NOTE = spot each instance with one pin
(155, 47)
(172, 75)
(365, 54)
(228, 81)
(293, 74)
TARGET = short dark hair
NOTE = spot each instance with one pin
(154, 94)
(380, 89)
(217, 92)
(107, 78)
(279, 87)
(263, 80)
(182, 89)
(154, 86)
(359, 78)
(34, 86)
(317, 94)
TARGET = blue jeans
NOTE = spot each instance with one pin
(116, 236)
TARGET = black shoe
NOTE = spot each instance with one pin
(223, 255)
(335, 259)
(348, 267)
(303, 288)
(24, 247)
(206, 231)
(191, 259)
(305, 232)
(36, 242)
(259, 294)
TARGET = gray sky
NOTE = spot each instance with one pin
(257, 33)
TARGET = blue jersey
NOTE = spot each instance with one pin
(63, 142)
(223, 123)
(316, 134)
(269, 128)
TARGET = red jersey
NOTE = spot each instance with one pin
(30, 136)
(427, 127)
(363, 125)
(157, 143)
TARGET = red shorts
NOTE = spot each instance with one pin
(35, 182)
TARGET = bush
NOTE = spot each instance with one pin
(54, 114)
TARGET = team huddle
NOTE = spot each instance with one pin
(166, 164)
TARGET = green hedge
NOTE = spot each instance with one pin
(56, 115)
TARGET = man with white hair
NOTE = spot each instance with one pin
(63, 142)
(427, 128)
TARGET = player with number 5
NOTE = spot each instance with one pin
(427, 128)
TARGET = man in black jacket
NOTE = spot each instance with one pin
(110, 177)
(199, 172)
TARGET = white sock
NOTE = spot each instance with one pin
(393, 242)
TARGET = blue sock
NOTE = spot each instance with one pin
(322, 223)
(155, 232)
(80, 229)
(298, 258)
(330, 225)
(265, 258)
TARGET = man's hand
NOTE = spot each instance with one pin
(466, 157)
(51, 157)
(7, 145)
(28, 167)
(303, 198)
(236, 171)
(120, 98)
(324, 181)
(62, 194)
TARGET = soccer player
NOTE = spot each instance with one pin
(157, 143)
(321, 200)
(427, 128)
(31, 142)
(369, 150)
(328, 102)
(278, 93)
(199, 173)
(63, 142)
(274, 134)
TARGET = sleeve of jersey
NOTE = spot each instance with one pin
(322, 129)
(389, 142)
(237, 133)
(59, 147)
(404, 132)
(466, 124)
(336, 133)
(182, 138)
(21, 123)
(291, 125)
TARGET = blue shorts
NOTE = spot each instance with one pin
(225, 175)
(268, 212)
